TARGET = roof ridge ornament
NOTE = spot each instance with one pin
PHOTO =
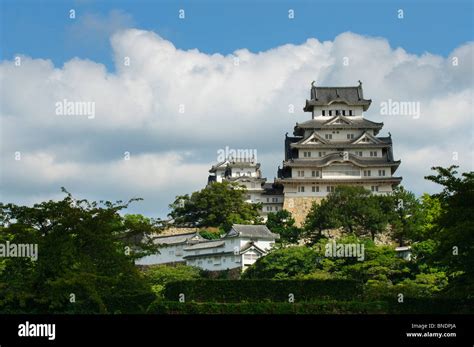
(314, 90)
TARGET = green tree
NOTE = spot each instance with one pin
(348, 204)
(454, 231)
(217, 205)
(159, 275)
(354, 209)
(283, 263)
(85, 264)
(321, 217)
(283, 224)
(372, 216)
(431, 212)
(405, 216)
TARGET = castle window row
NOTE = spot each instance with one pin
(320, 154)
(329, 189)
(342, 170)
(337, 113)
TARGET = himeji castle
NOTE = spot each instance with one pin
(337, 146)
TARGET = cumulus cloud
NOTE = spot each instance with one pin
(173, 109)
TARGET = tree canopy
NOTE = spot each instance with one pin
(85, 263)
(217, 205)
(283, 223)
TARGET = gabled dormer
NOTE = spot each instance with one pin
(313, 139)
(338, 120)
(366, 138)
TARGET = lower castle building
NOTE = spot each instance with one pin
(238, 249)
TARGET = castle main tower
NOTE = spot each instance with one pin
(337, 146)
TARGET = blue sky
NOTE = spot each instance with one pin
(191, 62)
(42, 29)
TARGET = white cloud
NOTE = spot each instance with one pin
(240, 100)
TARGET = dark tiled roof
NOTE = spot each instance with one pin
(321, 96)
(178, 238)
(252, 231)
(205, 245)
(323, 123)
(342, 181)
(246, 179)
(289, 152)
(207, 255)
(272, 189)
(324, 161)
(354, 123)
(222, 164)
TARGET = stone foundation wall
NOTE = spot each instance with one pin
(299, 207)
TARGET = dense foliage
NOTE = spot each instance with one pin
(85, 262)
(160, 275)
(439, 228)
(283, 223)
(411, 306)
(217, 205)
(87, 250)
(261, 290)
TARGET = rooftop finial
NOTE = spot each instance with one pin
(360, 83)
(314, 94)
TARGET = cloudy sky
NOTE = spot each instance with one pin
(169, 92)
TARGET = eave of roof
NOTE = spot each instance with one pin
(336, 157)
(341, 181)
(205, 245)
(207, 255)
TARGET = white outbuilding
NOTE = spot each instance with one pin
(239, 248)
